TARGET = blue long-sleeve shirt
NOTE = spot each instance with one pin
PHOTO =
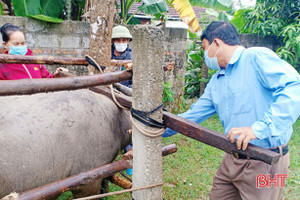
(258, 90)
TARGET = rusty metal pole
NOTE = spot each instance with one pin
(147, 95)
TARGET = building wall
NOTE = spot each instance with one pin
(271, 42)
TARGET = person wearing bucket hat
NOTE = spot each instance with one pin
(120, 39)
(120, 49)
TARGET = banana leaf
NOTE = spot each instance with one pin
(222, 5)
(52, 8)
(26, 7)
(129, 3)
(46, 18)
(187, 14)
(153, 6)
(212, 12)
(45, 10)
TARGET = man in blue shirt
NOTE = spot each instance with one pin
(257, 98)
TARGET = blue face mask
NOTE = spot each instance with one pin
(212, 63)
(18, 50)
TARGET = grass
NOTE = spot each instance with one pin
(188, 173)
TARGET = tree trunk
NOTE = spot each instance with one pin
(101, 24)
(204, 74)
(69, 9)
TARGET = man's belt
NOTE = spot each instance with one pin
(285, 150)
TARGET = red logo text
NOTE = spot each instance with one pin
(263, 180)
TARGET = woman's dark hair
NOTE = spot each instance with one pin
(8, 29)
(222, 30)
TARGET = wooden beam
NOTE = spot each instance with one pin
(202, 134)
(32, 86)
(117, 180)
(215, 139)
(54, 189)
(51, 60)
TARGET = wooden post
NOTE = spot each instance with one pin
(147, 95)
(101, 24)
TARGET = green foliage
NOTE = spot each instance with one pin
(194, 63)
(125, 6)
(153, 7)
(222, 15)
(167, 92)
(1, 8)
(274, 17)
(66, 196)
(193, 69)
(291, 49)
(239, 20)
(158, 8)
(52, 8)
(225, 5)
(78, 9)
(46, 10)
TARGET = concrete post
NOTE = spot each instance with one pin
(148, 55)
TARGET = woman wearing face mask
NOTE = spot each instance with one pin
(120, 49)
(15, 44)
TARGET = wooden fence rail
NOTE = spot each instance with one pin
(200, 133)
(31, 86)
(54, 189)
(51, 60)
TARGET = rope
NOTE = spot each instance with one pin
(120, 192)
(95, 64)
(115, 99)
(146, 132)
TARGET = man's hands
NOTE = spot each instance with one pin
(245, 135)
